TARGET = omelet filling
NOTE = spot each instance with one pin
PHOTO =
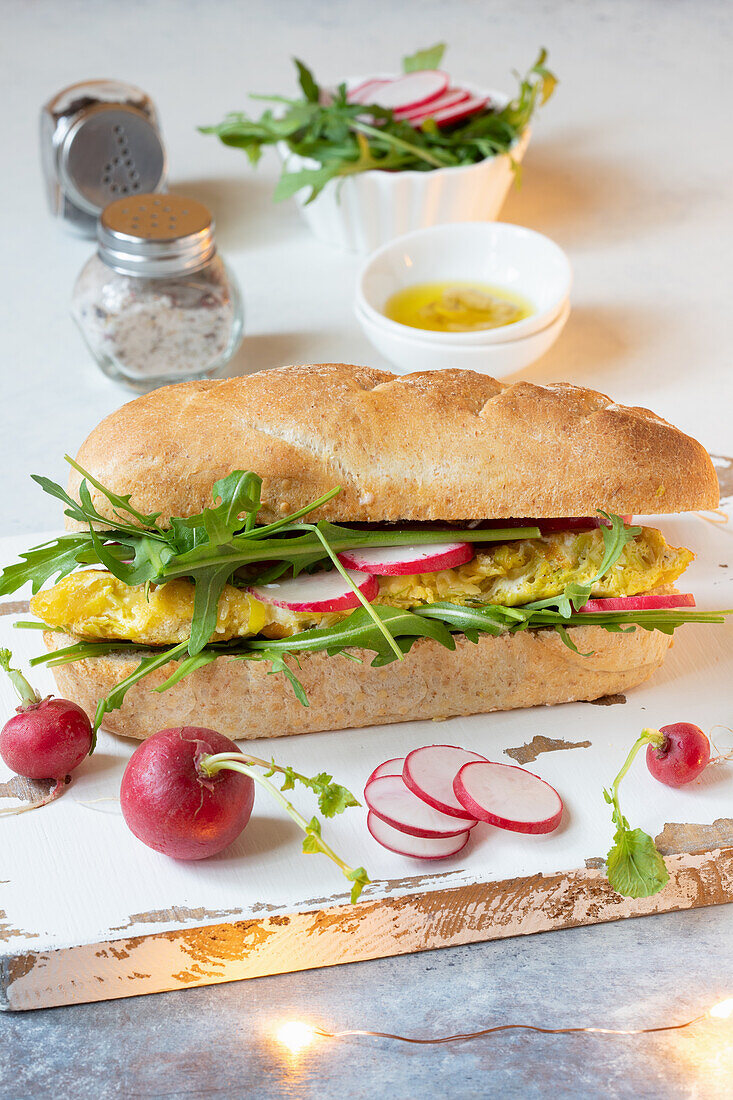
(95, 604)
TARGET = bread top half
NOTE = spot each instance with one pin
(443, 445)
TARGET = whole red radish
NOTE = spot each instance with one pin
(171, 805)
(681, 755)
(46, 738)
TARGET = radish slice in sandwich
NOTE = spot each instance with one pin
(508, 797)
(400, 561)
(389, 767)
(393, 802)
(641, 603)
(429, 773)
(317, 591)
(417, 847)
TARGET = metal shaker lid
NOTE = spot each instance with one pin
(154, 235)
(110, 150)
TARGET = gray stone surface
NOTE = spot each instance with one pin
(217, 1041)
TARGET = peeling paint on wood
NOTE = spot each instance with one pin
(724, 469)
(20, 607)
(693, 838)
(392, 926)
(177, 914)
(608, 700)
(525, 754)
(8, 932)
(26, 790)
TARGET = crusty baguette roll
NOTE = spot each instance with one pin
(445, 445)
(240, 699)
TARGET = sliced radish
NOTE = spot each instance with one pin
(399, 561)
(389, 767)
(459, 111)
(361, 93)
(429, 773)
(393, 802)
(418, 847)
(317, 591)
(448, 99)
(508, 797)
(410, 90)
(641, 603)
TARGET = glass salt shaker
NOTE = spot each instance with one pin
(157, 304)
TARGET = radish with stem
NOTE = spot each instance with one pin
(188, 792)
(46, 738)
(676, 755)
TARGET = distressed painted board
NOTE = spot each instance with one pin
(87, 913)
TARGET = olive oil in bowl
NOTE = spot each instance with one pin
(456, 306)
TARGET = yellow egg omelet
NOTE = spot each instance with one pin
(94, 604)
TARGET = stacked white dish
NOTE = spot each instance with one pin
(516, 259)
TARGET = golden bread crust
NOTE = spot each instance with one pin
(443, 445)
(240, 699)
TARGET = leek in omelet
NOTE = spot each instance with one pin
(96, 604)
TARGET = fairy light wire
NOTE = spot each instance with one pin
(296, 1035)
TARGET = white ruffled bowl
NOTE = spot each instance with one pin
(361, 212)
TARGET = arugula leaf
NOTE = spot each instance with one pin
(148, 664)
(574, 596)
(615, 537)
(121, 504)
(209, 585)
(186, 666)
(277, 662)
(311, 91)
(424, 59)
(54, 559)
(359, 631)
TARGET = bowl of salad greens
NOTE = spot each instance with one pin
(377, 157)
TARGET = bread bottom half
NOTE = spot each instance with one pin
(239, 699)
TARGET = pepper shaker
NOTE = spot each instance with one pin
(99, 141)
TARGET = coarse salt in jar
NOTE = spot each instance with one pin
(157, 304)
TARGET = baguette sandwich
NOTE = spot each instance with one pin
(330, 546)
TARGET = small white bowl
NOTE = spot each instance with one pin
(363, 211)
(497, 253)
(408, 353)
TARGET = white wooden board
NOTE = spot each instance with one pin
(87, 912)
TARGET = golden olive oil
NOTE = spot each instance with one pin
(456, 306)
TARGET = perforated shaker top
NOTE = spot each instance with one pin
(156, 235)
(109, 152)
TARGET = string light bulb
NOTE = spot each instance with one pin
(296, 1035)
(722, 1010)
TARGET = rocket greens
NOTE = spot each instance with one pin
(348, 138)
